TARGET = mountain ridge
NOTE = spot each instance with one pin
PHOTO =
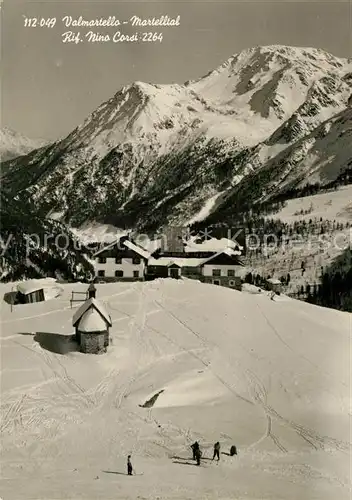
(155, 154)
(14, 144)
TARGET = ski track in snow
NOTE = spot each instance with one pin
(258, 390)
(47, 412)
(56, 311)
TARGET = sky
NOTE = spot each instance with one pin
(49, 87)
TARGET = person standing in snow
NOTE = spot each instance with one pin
(198, 455)
(233, 450)
(195, 447)
(216, 450)
(129, 466)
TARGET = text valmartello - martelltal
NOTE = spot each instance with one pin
(113, 21)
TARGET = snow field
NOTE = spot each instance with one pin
(272, 377)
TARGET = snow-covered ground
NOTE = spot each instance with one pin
(316, 251)
(334, 205)
(272, 377)
(205, 210)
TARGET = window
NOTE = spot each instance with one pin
(118, 260)
(231, 272)
(118, 274)
(101, 273)
(102, 260)
(136, 260)
(136, 274)
(216, 282)
(231, 283)
(216, 272)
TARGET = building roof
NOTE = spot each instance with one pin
(30, 286)
(136, 248)
(107, 247)
(92, 321)
(274, 281)
(211, 245)
(128, 244)
(229, 252)
(179, 261)
(189, 261)
(89, 304)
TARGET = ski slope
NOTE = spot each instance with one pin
(272, 377)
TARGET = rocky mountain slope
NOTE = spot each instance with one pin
(268, 118)
(318, 156)
(13, 144)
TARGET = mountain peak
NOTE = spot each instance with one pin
(13, 144)
(153, 152)
(288, 51)
(261, 57)
(142, 87)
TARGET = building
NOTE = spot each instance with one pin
(122, 260)
(92, 323)
(274, 284)
(214, 261)
(172, 239)
(211, 261)
(30, 291)
(213, 245)
(174, 267)
(37, 290)
(221, 268)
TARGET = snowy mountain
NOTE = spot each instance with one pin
(320, 156)
(172, 153)
(270, 376)
(14, 144)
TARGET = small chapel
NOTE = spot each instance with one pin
(92, 322)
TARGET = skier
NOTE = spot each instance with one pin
(216, 450)
(195, 447)
(198, 455)
(129, 466)
(233, 450)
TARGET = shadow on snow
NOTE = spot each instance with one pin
(10, 297)
(184, 463)
(55, 342)
(115, 472)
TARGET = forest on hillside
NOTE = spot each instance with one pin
(36, 247)
(335, 290)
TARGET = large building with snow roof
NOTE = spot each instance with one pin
(122, 260)
(222, 268)
(217, 262)
(213, 261)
